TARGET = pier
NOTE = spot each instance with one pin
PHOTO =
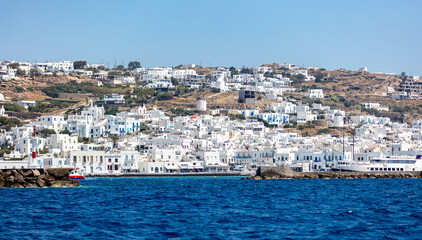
(281, 172)
(187, 174)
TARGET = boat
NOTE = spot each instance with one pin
(384, 164)
(76, 174)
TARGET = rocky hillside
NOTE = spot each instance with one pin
(29, 88)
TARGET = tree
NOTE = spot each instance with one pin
(245, 70)
(134, 65)
(66, 131)
(403, 75)
(94, 70)
(143, 127)
(319, 77)
(115, 140)
(20, 72)
(8, 123)
(300, 77)
(13, 65)
(47, 132)
(111, 111)
(269, 74)
(79, 64)
(34, 72)
(14, 108)
(174, 81)
(120, 67)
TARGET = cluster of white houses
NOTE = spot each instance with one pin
(260, 79)
(159, 78)
(149, 141)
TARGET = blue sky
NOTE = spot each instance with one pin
(385, 36)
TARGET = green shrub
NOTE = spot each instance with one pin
(14, 108)
(164, 96)
(323, 131)
(19, 89)
(112, 111)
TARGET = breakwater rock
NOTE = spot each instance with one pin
(281, 172)
(50, 177)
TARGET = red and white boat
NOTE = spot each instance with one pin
(76, 174)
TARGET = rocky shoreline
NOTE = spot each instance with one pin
(24, 178)
(281, 172)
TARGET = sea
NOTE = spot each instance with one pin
(215, 208)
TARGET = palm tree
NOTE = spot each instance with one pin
(115, 139)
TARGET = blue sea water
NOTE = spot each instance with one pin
(215, 208)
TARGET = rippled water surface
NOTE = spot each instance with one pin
(215, 208)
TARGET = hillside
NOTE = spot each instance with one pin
(29, 88)
(214, 101)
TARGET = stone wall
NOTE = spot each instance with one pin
(50, 177)
(281, 172)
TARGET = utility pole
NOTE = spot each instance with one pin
(343, 143)
(353, 146)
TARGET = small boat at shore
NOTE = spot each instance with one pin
(76, 174)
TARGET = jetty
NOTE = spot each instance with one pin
(281, 172)
(186, 174)
(48, 177)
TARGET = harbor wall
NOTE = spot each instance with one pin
(49, 177)
(281, 172)
(200, 174)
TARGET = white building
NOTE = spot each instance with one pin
(304, 72)
(27, 104)
(220, 73)
(315, 93)
(182, 74)
(288, 66)
(375, 106)
(262, 69)
(114, 98)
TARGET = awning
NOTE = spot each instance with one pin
(172, 167)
